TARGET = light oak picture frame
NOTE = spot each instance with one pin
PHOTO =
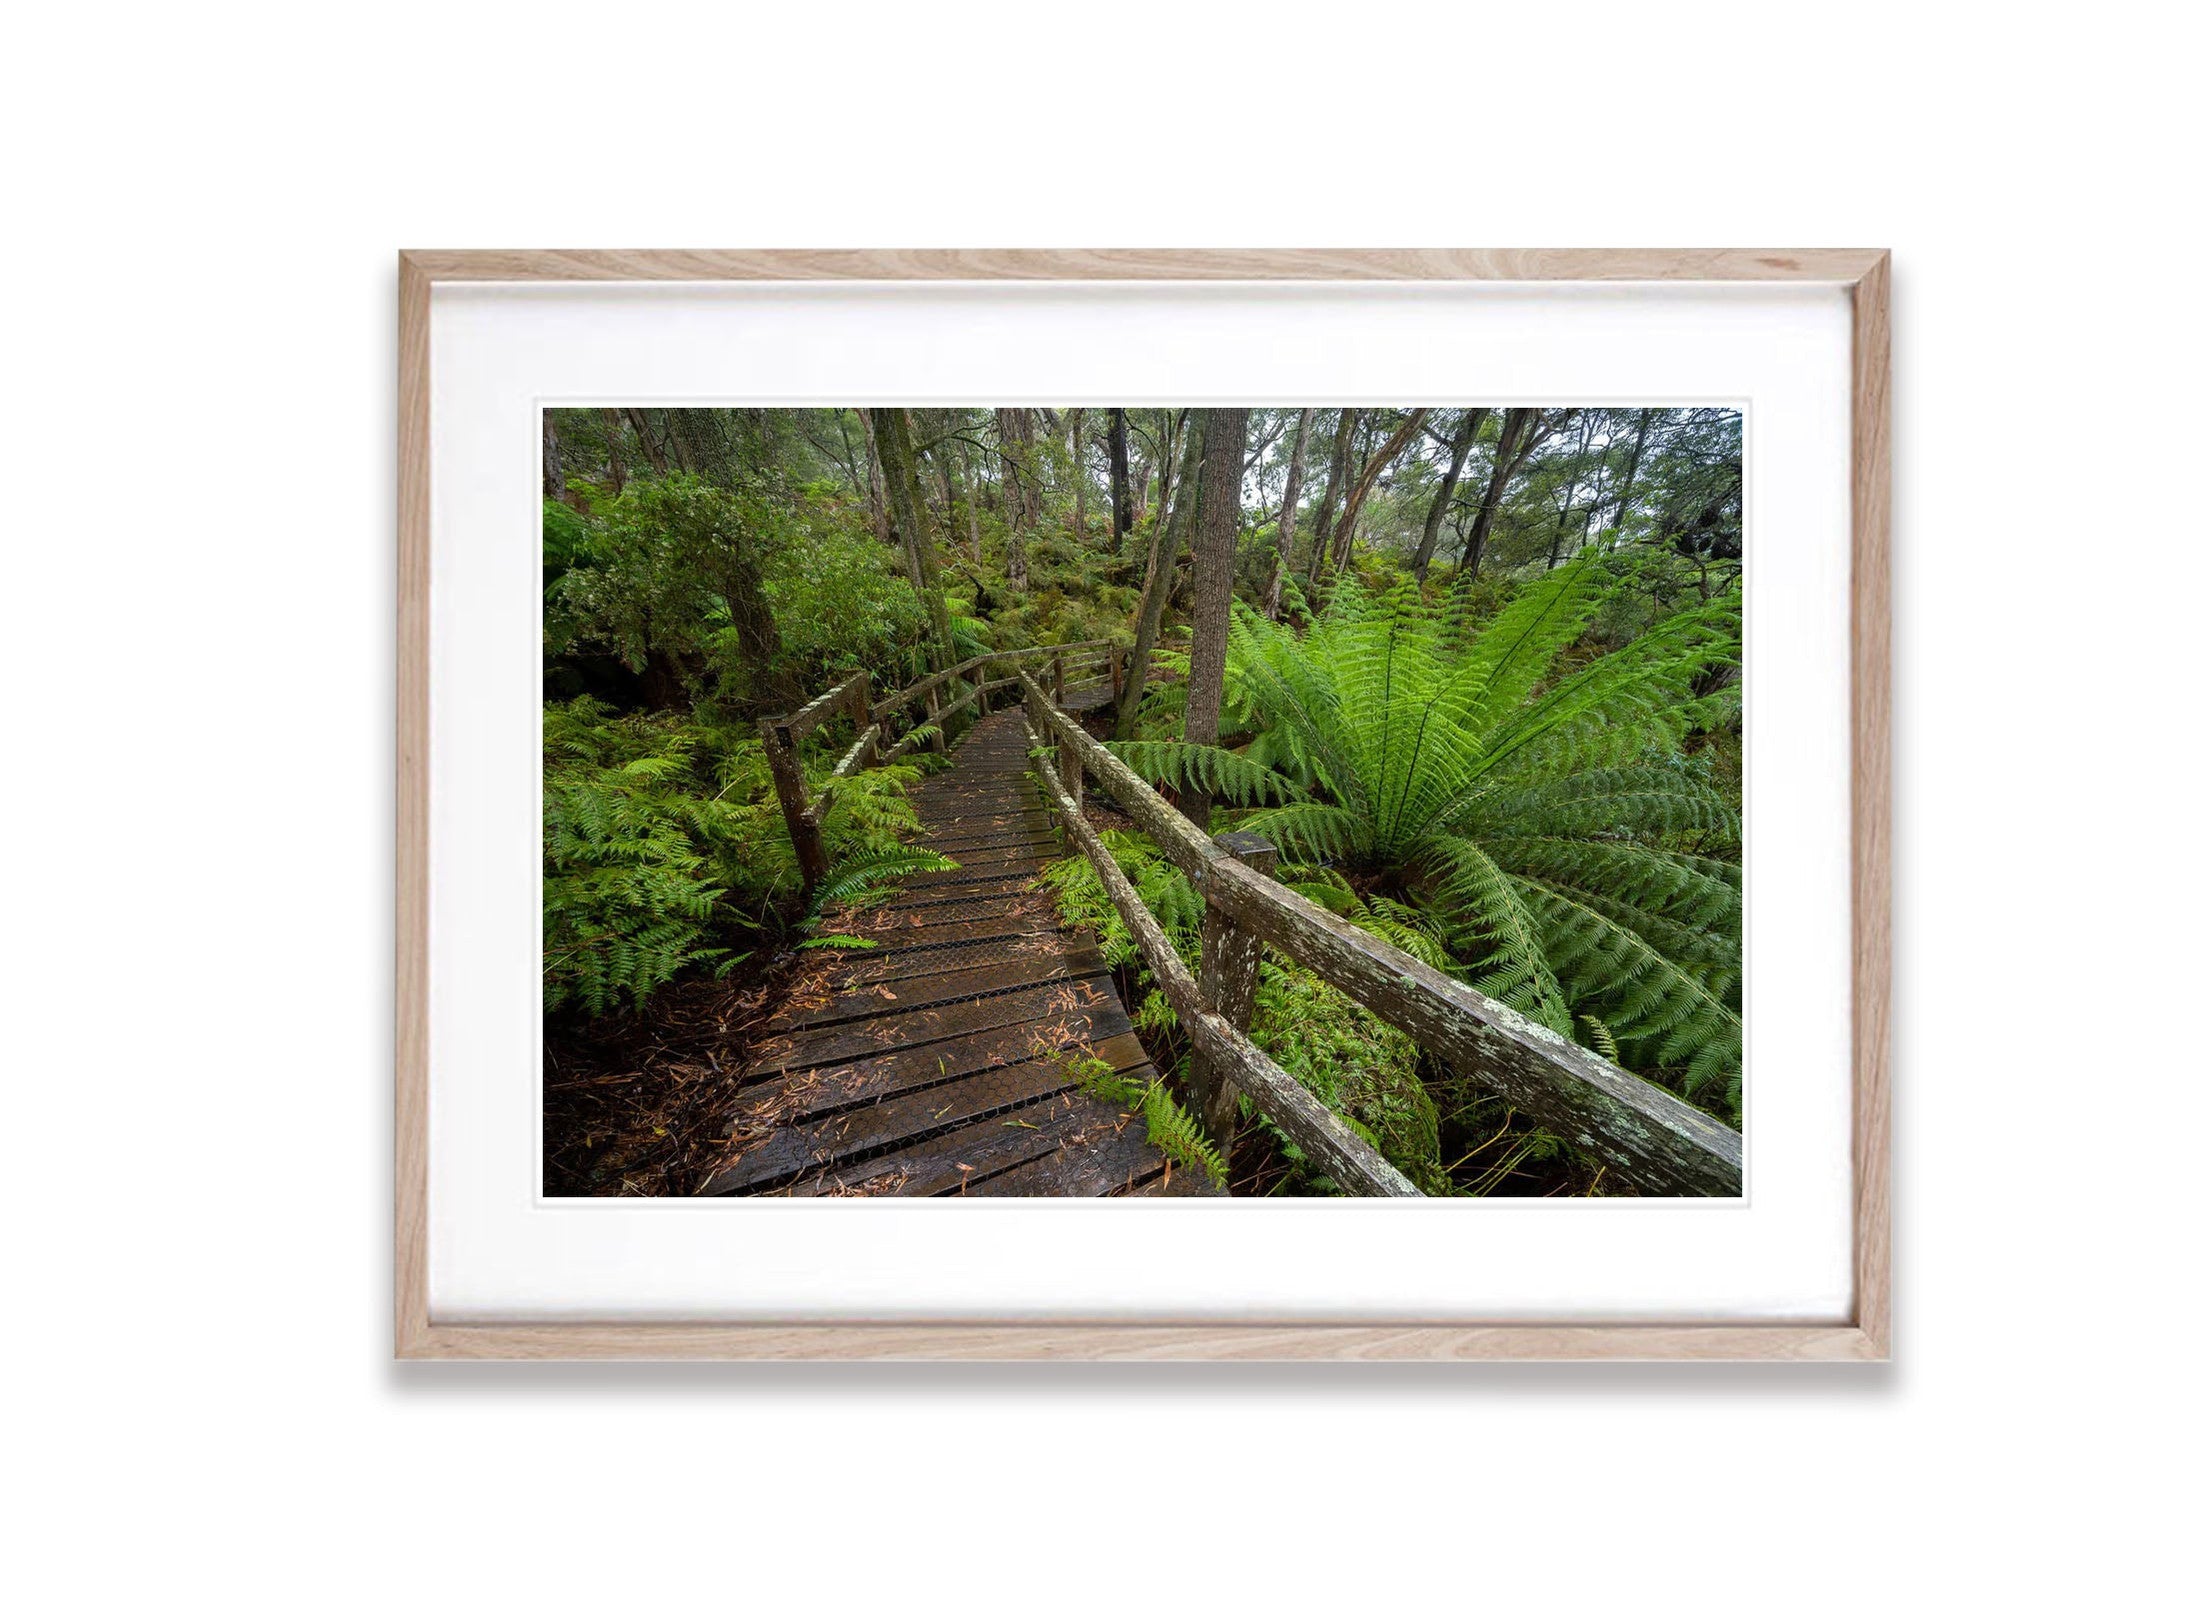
(1864, 1335)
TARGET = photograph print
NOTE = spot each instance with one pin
(1085, 802)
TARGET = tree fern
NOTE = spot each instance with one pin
(1538, 810)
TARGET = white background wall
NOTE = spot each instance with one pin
(199, 390)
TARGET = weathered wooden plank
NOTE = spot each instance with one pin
(876, 996)
(1095, 1159)
(1173, 1182)
(835, 1139)
(1005, 851)
(941, 939)
(948, 1164)
(891, 965)
(943, 1165)
(962, 811)
(978, 882)
(897, 913)
(807, 1094)
(824, 1046)
(1021, 829)
(1658, 1142)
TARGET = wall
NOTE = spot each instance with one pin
(199, 405)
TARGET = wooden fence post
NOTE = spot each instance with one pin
(1114, 680)
(931, 714)
(1229, 977)
(1061, 680)
(786, 777)
(860, 706)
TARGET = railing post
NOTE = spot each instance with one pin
(1229, 978)
(1061, 680)
(931, 715)
(861, 707)
(1114, 679)
(786, 777)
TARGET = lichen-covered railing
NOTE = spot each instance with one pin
(1657, 1143)
(875, 723)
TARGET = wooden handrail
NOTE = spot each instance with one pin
(782, 735)
(1654, 1140)
(1217, 1042)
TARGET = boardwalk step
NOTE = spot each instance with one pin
(824, 1046)
(872, 995)
(875, 1128)
(807, 1095)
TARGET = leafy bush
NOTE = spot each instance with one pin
(664, 847)
(629, 893)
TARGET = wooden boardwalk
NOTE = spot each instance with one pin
(932, 1064)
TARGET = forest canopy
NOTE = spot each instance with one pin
(1475, 671)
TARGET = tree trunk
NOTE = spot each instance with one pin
(1462, 445)
(1019, 487)
(1213, 568)
(880, 523)
(1291, 486)
(969, 513)
(1160, 575)
(1519, 420)
(1172, 438)
(1076, 464)
(1376, 465)
(1118, 471)
(1633, 465)
(1572, 487)
(553, 464)
(651, 451)
(947, 495)
(614, 459)
(722, 447)
(1324, 515)
(905, 494)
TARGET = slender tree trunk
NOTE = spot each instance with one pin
(1159, 576)
(1172, 436)
(1324, 515)
(880, 522)
(553, 461)
(969, 513)
(1376, 465)
(721, 447)
(651, 451)
(1118, 471)
(947, 494)
(1019, 487)
(1512, 444)
(1213, 568)
(1633, 465)
(1292, 484)
(1076, 464)
(1462, 445)
(905, 493)
(614, 458)
(1572, 487)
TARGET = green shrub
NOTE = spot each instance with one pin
(664, 848)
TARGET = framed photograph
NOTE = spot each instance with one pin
(1378, 757)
